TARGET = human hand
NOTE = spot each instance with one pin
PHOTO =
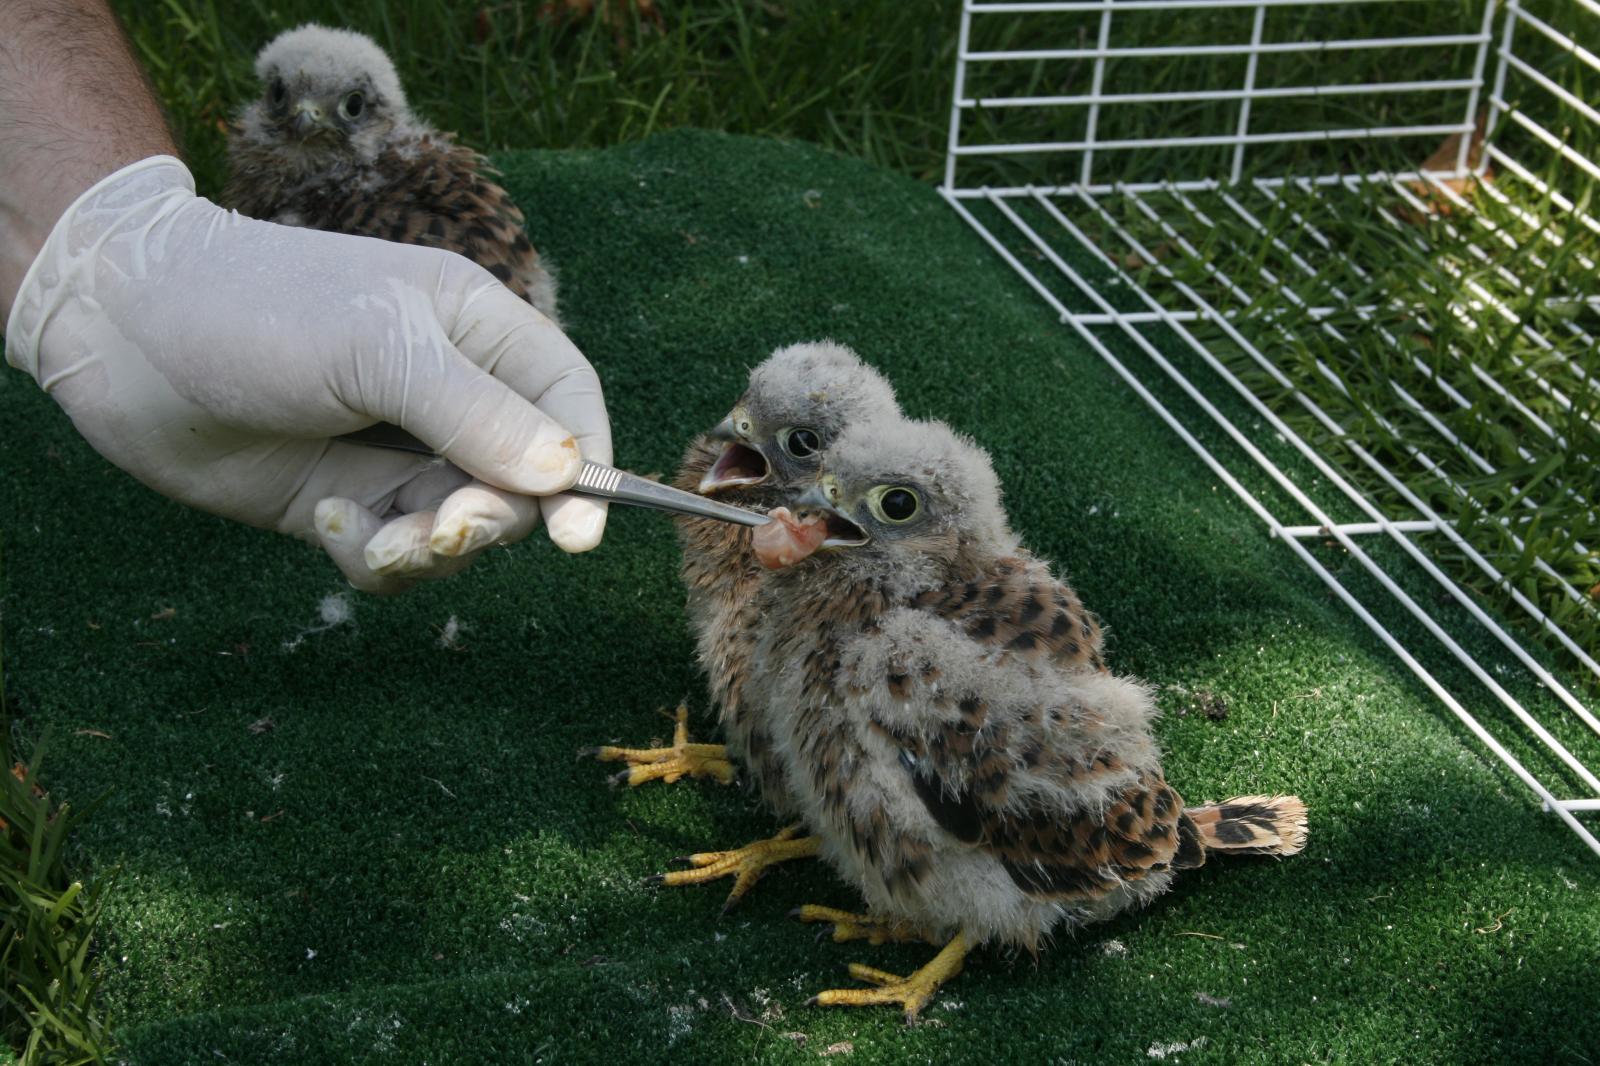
(216, 358)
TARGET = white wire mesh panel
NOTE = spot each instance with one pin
(1346, 251)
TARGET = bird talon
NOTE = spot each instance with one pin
(874, 929)
(745, 865)
(912, 993)
(670, 764)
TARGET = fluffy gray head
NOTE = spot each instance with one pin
(925, 497)
(799, 401)
(326, 94)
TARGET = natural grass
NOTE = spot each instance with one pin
(867, 78)
(1433, 358)
(49, 973)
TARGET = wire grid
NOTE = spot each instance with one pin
(1219, 265)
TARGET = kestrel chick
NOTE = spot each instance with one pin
(937, 699)
(332, 145)
(799, 400)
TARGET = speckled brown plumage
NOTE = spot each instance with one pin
(823, 387)
(382, 173)
(1020, 608)
(949, 725)
(720, 575)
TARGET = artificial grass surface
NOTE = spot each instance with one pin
(410, 865)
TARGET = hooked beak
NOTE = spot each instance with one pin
(307, 119)
(842, 532)
(739, 464)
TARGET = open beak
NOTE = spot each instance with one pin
(842, 532)
(739, 464)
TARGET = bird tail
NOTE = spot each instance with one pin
(1252, 825)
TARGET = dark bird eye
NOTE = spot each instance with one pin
(352, 106)
(277, 93)
(899, 505)
(802, 443)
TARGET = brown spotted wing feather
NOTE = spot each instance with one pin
(427, 190)
(1019, 606)
(1044, 786)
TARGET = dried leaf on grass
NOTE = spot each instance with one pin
(1444, 161)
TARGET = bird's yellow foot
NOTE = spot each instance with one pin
(745, 865)
(669, 764)
(911, 993)
(873, 929)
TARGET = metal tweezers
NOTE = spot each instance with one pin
(595, 480)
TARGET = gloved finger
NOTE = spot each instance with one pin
(477, 515)
(431, 487)
(400, 549)
(576, 523)
(375, 478)
(343, 529)
(528, 352)
(416, 380)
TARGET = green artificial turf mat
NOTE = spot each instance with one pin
(410, 865)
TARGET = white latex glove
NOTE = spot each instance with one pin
(214, 358)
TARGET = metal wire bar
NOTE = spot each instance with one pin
(1493, 574)
(1280, 92)
(1338, 430)
(1160, 51)
(1191, 316)
(1022, 7)
(1089, 337)
(1257, 25)
(1517, 12)
(1187, 184)
(964, 35)
(1292, 307)
(1483, 464)
(1210, 267)
(1543, 188)
(1097, 84)
(1478, 64)
(1204, 140)
(1355, 528)
(1561, 148)
(1505, 238)
(1428, 464)
(1533, 75)
(1422, 367)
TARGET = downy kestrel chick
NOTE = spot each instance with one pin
(332, 145)
(937, 699)
(799, 400)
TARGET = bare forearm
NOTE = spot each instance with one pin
(74, 107)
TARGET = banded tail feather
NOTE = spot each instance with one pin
(1252, 825)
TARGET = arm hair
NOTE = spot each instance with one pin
(74, 107)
